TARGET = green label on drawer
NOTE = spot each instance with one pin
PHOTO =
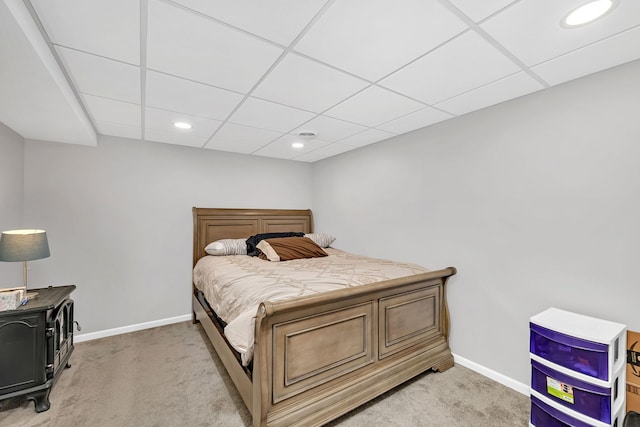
(560, 390)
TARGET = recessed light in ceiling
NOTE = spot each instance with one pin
(297, 145)
(182, 125)
(588, 12)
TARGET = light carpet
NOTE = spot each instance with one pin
(171, 376)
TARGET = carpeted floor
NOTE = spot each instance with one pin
(171, 376)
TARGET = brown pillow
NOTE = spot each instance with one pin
(288, 248)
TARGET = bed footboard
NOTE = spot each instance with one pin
(318, 357)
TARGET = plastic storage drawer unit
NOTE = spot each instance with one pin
(589, 399)
(589, 349)
(547, 413)
(543, 415)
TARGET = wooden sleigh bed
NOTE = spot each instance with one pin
(318, 357)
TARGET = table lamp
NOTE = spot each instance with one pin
(23, 246)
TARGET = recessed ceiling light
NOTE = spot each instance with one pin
(297, 145)
(182, 125)
(588, 12)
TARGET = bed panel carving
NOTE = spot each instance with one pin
(275, 225)
(312, 351)
(409, 319)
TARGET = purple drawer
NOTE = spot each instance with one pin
(580, 396)
(587, 357)
(543, 415)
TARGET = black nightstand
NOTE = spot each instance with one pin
(36, 341)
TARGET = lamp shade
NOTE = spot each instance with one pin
(23, 245)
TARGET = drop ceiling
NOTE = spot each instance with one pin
(249, 76)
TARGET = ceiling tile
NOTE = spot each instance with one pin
(247, 139)
(367, 137)
(531, 29)
(232, 147)
(330, 129)
(171, 138)
(109, 110)
(373, 106)
(307, 84)
(613, 51)
(514, 86)
(416, 120)
(372, 38)
(362, 71)
(184, 96)
(108, 28)
(281, 147)
(445, 72)
(278, 20)
(95, 75)
(268, 115)
(191, 46)
(478, 10)
(163, 120)
(116, 129)
(159, 127)
(36, 101)
(324, 152)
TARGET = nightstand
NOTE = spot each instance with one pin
(36, 341)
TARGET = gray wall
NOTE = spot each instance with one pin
(11, 194)
(535, 201)
(118, 219)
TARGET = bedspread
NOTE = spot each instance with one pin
(235, 285)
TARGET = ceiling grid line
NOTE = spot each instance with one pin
(471, 90)
(273, 66)
(370, 84)
(494, 13)
(635, 27)
(250, 79)
(65, 73)
(492, 41)
(221, 23)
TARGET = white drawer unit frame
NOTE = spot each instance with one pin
(586, 328)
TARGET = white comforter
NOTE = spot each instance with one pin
(235, 285)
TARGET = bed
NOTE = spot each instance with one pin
(381, 334)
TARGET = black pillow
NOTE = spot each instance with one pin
(253, 241)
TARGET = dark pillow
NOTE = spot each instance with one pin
(288, 248)
(253, 241)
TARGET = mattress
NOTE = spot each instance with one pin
(235, 285)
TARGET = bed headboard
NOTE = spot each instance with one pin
(210, 224)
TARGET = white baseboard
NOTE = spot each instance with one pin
(496, 376)
(131, 328)
(489, 373)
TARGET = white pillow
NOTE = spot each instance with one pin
(321, 239)
(227, 247)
